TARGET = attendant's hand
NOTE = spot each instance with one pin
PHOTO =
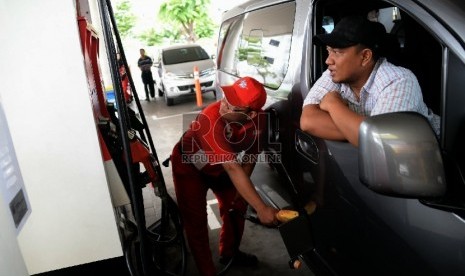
(267, 216)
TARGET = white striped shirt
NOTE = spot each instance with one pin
(389, 88)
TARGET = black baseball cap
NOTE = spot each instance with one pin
(353, 30)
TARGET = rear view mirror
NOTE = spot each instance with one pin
(399, 155)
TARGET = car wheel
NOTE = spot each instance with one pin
(168, 101)
(160, 88)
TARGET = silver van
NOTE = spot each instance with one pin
(396, 204)
(175, 71)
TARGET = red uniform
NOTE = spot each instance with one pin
(196, 164)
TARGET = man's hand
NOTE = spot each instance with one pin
(319, 123)
(331, 99)
(145, 67)
(347, 121)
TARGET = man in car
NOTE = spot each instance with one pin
(207, 157)
(358, 83)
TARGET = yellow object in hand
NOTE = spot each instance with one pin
(286, 215)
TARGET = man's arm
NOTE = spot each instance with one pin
(145, 63)
(346, 121)
(244, 186)
(319, 123)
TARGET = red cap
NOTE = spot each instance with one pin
(246, 92)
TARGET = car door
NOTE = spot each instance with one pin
(358, 231)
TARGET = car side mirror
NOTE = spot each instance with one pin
(399, 155)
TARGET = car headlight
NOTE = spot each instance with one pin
(169, 75)
(207, 72)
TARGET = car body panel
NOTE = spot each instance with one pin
(358, 229)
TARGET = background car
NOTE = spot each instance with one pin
(175, 69)
(396, 204)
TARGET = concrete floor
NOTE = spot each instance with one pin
(166, 126)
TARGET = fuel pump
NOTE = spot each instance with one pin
(125, 139)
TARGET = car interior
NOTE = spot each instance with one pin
(413, 46)
(407, 44)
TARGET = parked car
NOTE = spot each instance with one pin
(175, 71)
(396, 204)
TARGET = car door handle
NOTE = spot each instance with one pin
(273, 129)
(306, 146)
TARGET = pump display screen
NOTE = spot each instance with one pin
(18, 207)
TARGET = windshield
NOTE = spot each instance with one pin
(182, 55)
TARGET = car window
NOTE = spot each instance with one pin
(258, 44)
(407, 43)
(181, 55)
(455, 112)
(412, 42)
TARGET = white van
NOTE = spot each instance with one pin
(401, 213)
(175, 71)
